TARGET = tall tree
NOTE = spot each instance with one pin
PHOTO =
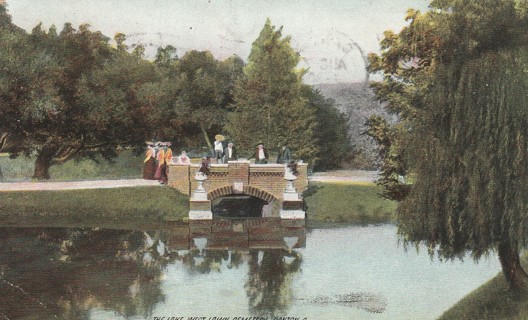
(406, 62)
(331, 131)
(194, 95)
(69, 94)
(204, 91)
(269, 105)
(24, 81)
(465, 142)
(117, 113)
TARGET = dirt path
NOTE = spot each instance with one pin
(344, 176)
(71, 185)
(333, 176)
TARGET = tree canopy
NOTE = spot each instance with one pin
(73, 94)
(456, 75)
(76, 93)
(269, 106)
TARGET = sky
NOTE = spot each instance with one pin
(331, 36)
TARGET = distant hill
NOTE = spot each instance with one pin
(359, 102)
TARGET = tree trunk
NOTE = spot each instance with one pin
(209, 144)
(511, 265)
(43, 163)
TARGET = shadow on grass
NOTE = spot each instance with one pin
(492, 301)
(347, 203)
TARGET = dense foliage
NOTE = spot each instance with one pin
(75, 93)
(273, 106)
(457, 78)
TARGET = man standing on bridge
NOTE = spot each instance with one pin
(261, 155)
(284, 155)
(230, 153)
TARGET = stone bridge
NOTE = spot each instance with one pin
(263, 181)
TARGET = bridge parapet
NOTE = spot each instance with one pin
(268, 177)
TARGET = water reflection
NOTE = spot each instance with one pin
(66, 273)
(63, 273)
(257, 267)
(269, 281)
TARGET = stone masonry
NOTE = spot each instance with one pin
(240, 177)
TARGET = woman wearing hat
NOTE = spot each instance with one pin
(149, 165)
(161, 171)
(219, 148)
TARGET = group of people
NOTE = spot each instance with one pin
(261, 155)
(222, 152)
(159, 155)
(155, 165)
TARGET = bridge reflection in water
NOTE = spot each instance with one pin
(70, 273)
(223, 234)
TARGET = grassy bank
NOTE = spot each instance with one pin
(140, 204)
(347, 203)
(127, 165)
(492, 301)
(326, 203)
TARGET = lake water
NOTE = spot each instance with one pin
(227, 269)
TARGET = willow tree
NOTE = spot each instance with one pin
(465, 142)
(269, 105)
(469, 157)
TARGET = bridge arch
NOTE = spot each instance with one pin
(219, 192)
(259, 193)
(247, 190)
(265, 183)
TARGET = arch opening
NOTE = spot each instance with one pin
(250, 202)
(239, 206)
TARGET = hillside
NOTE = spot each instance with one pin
(357, 101)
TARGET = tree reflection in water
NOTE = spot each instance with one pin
(270, 275)
(269, 281)
(64, 273)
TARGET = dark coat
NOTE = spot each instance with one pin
(255, 155)
(284, 155)
(234, 154)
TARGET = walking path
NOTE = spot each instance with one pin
(333, 176)
(344, 176)
(71, 185)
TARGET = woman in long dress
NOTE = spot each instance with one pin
(149, 165)
(168, 160)
(161, 171)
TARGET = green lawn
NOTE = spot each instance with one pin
(347, 202)
(127, 165)
(339, 203)
(148, 204)
(492, 301)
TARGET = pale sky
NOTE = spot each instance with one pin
(326, 33)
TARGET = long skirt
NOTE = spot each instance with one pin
(161, 173)
(149, 169)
